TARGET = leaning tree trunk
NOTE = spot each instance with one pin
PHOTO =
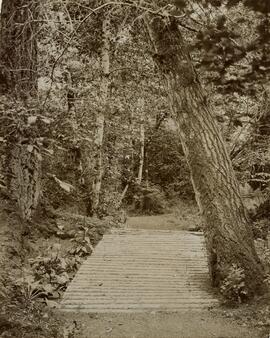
(18, 80)
(228, 234)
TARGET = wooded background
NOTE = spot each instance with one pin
(125, 105)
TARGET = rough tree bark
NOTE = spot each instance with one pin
(18, 82)
(18, 67)
(18, 79)
(228, 234)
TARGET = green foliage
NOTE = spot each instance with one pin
(233, 287)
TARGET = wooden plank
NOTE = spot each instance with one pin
(142, 270)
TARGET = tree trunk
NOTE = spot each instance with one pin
(18, 82)
(18, 79)
(100, 118)
(25, 178)
(93, 164)
(228, 234)
(140, 110)
(18, 70)
(98, 169)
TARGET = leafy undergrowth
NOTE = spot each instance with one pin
(54, 248)
(252, 314)
(255, 313)
(53, 251)
(234, 288)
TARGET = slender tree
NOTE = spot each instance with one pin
(141, 111)
(93, 162)
(100, 118)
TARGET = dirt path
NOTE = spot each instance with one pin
(154, 324)
(160, 325)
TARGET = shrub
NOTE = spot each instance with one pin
(149, 200)
(261, 228)
(167, 166)
(233, 287)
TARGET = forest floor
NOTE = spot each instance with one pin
(223, 322)
(28, 319)
(161, 325)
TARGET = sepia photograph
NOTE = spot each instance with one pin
(135, 169)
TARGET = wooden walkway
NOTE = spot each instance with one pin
(142, 271)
